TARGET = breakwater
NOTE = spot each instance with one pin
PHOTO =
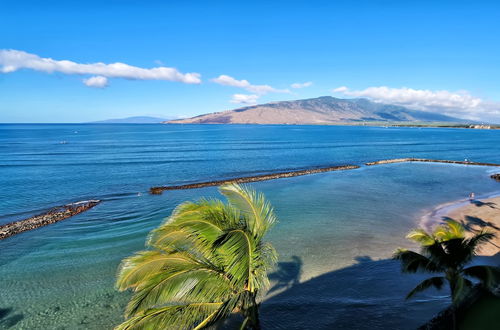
(423, 160)
(159, 190)
(63, 212)
(53, 215)
(246, 179)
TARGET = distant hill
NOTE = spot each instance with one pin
(321, 110)
(132, 120)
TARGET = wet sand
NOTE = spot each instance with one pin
(475, 215)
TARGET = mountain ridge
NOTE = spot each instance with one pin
(319, 110)
(132, 120)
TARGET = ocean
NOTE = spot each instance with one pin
(336, 230)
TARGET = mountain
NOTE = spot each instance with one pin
(321, 110)
(132, 120)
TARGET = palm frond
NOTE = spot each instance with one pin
(412, 262)
(437, 282)
(179, 285)
(206, 261)
(478, 239)
(437, 253)
(455, 228)
(488, 275)
(458, 252)
(266, 261)
(195, 218)
(421, 236)
(450, 230)
(237, 247)
(175, 316)
(257, 211)
(144, 264)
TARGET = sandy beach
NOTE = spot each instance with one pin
(475, 215)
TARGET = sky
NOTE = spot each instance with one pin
(79, 61)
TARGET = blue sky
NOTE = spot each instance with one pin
(432, 56)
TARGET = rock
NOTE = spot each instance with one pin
(246, 179)
(53, 215)
(496, 177)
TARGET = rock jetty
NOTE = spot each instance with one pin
(264, 177)
(53, 215)
(423, 160)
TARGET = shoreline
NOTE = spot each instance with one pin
(479, 214)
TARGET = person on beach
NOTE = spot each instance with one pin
(471, 196)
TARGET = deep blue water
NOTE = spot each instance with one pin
(335, 234)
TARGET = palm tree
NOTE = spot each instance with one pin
(206, 261)
(447, 251)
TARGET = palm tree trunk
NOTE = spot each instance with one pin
(251, 314)
(452, 282)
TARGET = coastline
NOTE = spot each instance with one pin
(479, 214)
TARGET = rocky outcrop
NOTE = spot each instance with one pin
(495, 177)
(53, 215)
(159, 190)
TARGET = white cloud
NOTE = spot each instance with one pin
(245, 98)
(96, 81)
(245, 84)
(13, 60)
(460, 103)
(301, 85)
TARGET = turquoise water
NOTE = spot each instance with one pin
(335, 235)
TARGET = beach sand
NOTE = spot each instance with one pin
(477, 215)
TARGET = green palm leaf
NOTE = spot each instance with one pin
(176, 316)
(412, 262)
(446, 250)
(183, 284)
(237, 247)
(436, 282)
(421, 236)
(207, 260)
(259, 214)
(476, 240)
(450, 230)
(144, 264)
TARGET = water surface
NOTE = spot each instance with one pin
(335, 234)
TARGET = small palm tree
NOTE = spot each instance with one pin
(447, 251)
(206, 261)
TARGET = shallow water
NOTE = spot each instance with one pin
(335, 234)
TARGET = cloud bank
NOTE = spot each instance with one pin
(460, 103)
(13, 60)
(258, 90)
